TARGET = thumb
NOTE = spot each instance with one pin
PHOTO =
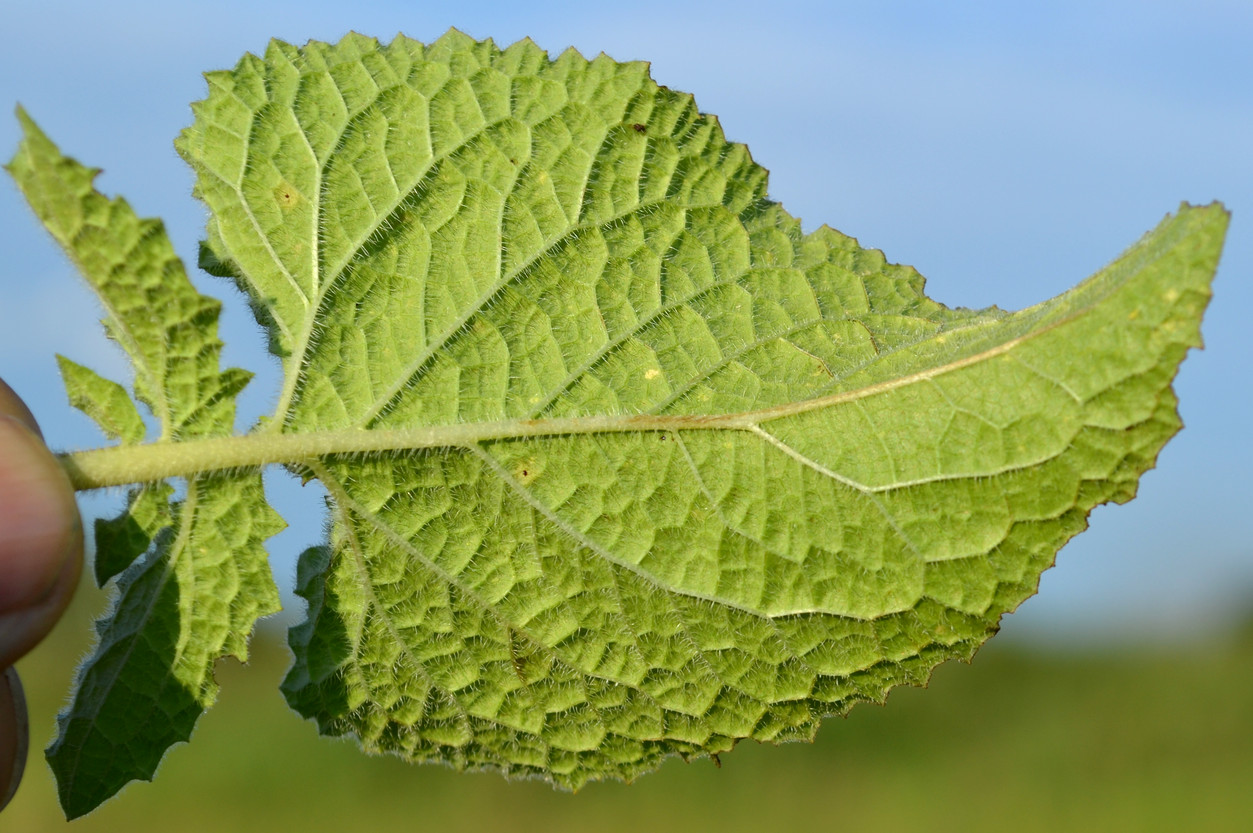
(41, 537)
(41, 555)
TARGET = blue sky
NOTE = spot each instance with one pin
(1006, 150)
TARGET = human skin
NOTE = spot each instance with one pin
(41, 557)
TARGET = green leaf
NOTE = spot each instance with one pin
(205, 580)
(620, 462)
(105, 401)
(166, 327)
(120, 540)
(192, 599)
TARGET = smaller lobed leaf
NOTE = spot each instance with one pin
(192, 574)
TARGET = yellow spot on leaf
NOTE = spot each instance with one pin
(526, 471)
(288, 197)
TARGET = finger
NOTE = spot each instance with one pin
(40, 558)
(14, 735)
(24, 628)
(41, 539)
(40, 529)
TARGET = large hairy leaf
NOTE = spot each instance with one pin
(621, 463)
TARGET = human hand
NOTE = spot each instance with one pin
(41, 556)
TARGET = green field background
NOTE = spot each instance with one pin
(1022, 740)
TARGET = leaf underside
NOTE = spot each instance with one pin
(193, 577)
(852, 483)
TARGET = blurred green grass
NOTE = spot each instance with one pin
(1122, 740)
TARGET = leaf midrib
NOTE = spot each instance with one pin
(122, 465)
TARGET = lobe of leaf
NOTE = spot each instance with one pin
(651, 470)
(193, 572)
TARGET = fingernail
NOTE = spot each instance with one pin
(39, 525)
(14, 735)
